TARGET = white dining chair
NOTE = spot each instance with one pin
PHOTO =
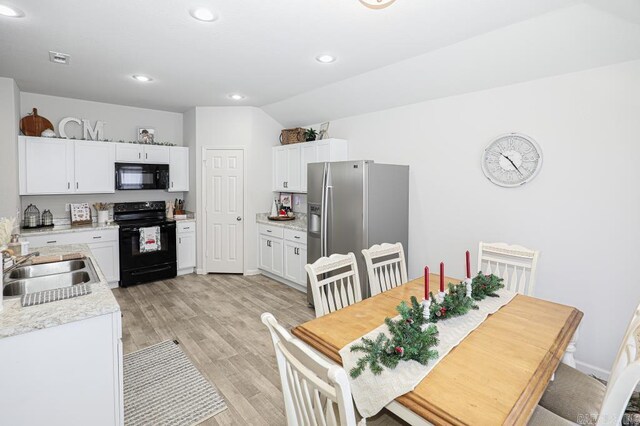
(515, 264)
(386, 267)
(334, 282)
(315, 391)
(583, 399)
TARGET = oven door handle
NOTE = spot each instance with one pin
(146, 271)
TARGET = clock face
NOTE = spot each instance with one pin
(511, 160)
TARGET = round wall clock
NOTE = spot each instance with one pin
(512, 160)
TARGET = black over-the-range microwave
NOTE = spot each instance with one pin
(142, 176)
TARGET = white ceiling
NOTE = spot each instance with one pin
(262, 49)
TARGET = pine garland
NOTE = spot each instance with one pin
(409, 339)
(408, 342)
(485, 286)
(455, 303)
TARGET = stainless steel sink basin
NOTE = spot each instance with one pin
(34, 278)
(31, 271)
(47, 282)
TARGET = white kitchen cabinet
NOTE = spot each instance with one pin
(156, 154)
(94, 167)
(271, 255)
(186, 250)
(295, 257)
(102, 242)
(286, 159)
(129, 153)
(178, 169)
(282, 254)
(69, 374)
(46, 166)
(290, 162)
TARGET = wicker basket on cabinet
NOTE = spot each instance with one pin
(289, 136)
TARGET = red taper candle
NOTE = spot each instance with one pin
(441, 277)
(426, 283)
(468, 264)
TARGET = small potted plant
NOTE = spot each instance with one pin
(310, 135)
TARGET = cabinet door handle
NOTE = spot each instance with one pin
(77, 185)
(296, 237)
(146, 156)
(269, 230)
(179, 240)
(97, 238)
(185, 228)
(52, 242)
(68, 185)
(172, 184)
(139, 155)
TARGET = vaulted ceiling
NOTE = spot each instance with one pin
(265, 50)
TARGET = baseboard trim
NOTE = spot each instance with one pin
(250, 272)
(284, 281)
(586, 368)
(200, 272)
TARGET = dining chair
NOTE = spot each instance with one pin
(515, 264)
(315, 391)
(583, 399)
(386, 267)
(334, 282)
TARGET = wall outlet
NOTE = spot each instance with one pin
(67, 207)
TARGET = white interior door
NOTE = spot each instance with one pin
(224, 207)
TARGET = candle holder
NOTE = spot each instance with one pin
(440, 296)
(468, 282)
(426, 314)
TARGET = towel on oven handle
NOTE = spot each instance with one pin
(150, 239)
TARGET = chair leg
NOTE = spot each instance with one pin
(571, 348)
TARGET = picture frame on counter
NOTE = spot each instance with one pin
(80, 214)
(324, 131)
(285, 200)
(146, 135)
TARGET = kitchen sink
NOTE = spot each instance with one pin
(34, 278)
(31, 271)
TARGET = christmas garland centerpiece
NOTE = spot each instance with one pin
(409, 341)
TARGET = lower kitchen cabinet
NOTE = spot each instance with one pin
(102, 242)
(186, 250)
(282, 254)
(69, 374)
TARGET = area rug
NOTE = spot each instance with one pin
(163, 387)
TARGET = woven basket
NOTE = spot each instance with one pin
(288, 136)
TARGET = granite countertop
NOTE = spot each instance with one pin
(15, 319)
(298, 224)
(63, 229)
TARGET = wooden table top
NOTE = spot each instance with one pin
(496, 375)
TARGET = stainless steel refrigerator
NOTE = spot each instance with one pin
(353, 205)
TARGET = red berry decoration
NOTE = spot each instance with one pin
(443, 311)
(400, 350)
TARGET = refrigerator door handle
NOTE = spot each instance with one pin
(323, 214)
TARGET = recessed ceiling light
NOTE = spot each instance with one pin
(325, 59)
(203, 14)
(142, 78)
(236, 96)
(59, 57)
(10, 12)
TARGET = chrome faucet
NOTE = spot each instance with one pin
(19, 261)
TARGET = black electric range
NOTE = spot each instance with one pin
(140, 267)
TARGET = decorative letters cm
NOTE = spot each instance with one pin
(95, 133)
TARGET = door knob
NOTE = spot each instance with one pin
(238, 218)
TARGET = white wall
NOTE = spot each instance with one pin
(121, 122)
(9, 124)
(582, 211)
(229, 127)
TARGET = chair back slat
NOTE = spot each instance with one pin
(334, 283)
(386, 267)
(316, 393)
(625, 376)
(515, 264)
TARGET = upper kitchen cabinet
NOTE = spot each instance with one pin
(46, 166)
(286, 168)
(62, 166)
(94, 167)
(135, 153)
(178, 169)
(290, 162)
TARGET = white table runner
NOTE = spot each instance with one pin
(372, 393)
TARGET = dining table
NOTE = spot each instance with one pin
(496, 375)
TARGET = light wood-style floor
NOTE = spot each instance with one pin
(216, 319)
